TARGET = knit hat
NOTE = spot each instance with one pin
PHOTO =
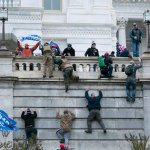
(106, 54)
(53, 46)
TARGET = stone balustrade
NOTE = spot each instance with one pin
(10, 3)
(85, 67)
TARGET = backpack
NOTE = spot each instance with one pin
(101, 62)
(129, 70)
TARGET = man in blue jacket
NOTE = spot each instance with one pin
(94, 110)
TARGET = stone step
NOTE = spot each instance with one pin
(70, 93)
(62, 102)
(79, 134)
(89, 144)
(115, 113)
(82, 123)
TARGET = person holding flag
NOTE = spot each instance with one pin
(26, 51)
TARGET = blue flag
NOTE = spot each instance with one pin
(57, 47)
(6, 123)
(32, 37)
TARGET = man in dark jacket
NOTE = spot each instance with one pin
(136, 37)
(69, 51)
(29, 118)
(92, 51)
(131, 82)
(94, 110)
(108, 69)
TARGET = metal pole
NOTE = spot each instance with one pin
(148, 23)
(3, 30)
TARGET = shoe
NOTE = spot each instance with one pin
(51, 76)
(66, 88)
(128, 99)
(105, 131)
(62, 141)
(44, 76)
(133, 99)
(88, 131)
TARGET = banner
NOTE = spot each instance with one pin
(6, 123)
(53, 43)
(32, 37)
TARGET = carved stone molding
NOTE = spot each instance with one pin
(131, 1)
(122, 22)
(76, 32)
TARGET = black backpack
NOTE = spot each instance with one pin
(129, 70)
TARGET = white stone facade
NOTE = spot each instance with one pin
(79, 22)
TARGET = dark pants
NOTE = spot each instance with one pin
(68, 75)
(131, 88)
(30, 131)
(107, 71)
(94, 115)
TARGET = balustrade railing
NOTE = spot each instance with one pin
(85, 67)
(10, 3)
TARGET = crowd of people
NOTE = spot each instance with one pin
(50, 51)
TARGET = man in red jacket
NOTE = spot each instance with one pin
(26, 51)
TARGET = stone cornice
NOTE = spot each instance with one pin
(131, 1)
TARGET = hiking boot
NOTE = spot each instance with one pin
(44, 76)
(62, 141)
(105, 131)
(133, 99)
(88, 131)
(128, 99)
(66, 88)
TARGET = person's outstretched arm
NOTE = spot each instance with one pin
(35, 46)
(87, 95)
(58, 116)
(35, 114)
(23, 115)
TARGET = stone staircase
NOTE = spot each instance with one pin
(48, 97)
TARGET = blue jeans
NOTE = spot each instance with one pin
(30, 131)
(61, 134)
(131, 84)
(135, 48)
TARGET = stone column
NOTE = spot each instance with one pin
(6, 87)
(122, 31)
(146, 91)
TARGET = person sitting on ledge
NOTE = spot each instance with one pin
(26, 51)
(124, 52)
(29, 118)
(67, 69)
(105, 64)
(130, 71)
(94, 110)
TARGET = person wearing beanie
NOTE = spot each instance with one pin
(94, 110)
(130, 71)
(55, 50)
(48, 56)
(66, 121)
(92, 51)
(26, 51)
(29, 118)
(69, 51)
(107, 69)
(136, 37)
